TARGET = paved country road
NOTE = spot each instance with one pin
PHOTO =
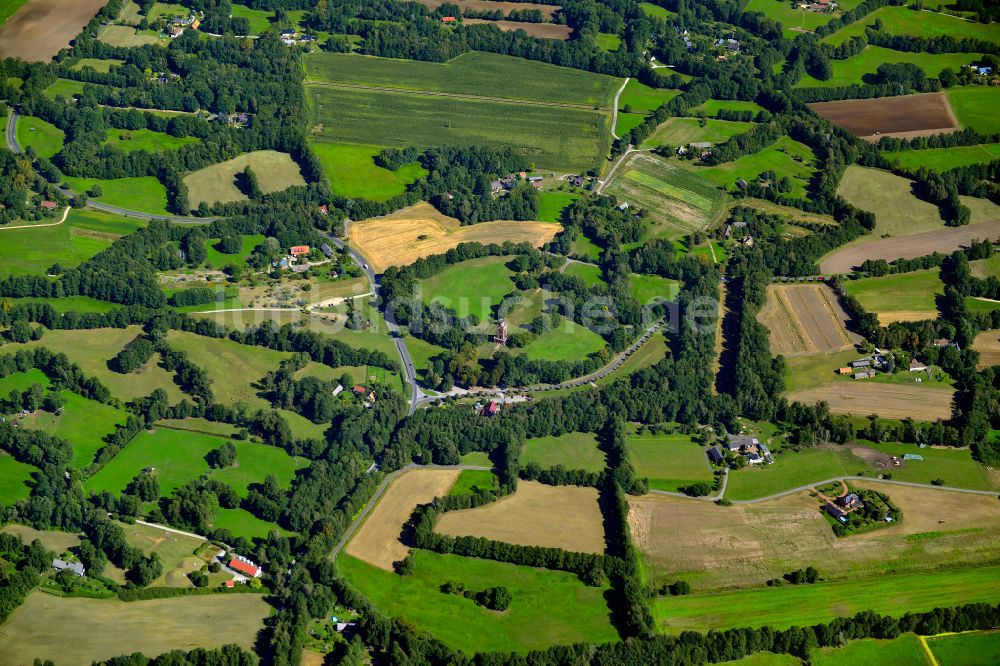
(377, 495)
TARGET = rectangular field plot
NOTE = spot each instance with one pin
(378, 541)
(906, 116)
(945, 159)
(217, 183)
(420, 231)
(548, 11)
(547, 607)
(902, 297)
(551, 136)
(891, 401)
(908, 21)
(977, 648)
(903, 651)
(574, 450)
(677, 201)
(470, 74)
(570, 514)
(542, 30)
(669, 461)
(682, 131)
(987, 344)
(803, 605)
(77, 632)
(39, 29)
(976, 107)
(352, 172)
(804, 319)
(15, 479)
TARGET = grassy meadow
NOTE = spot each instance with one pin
(353, 173)
(907, 21)
(905, 292)
(15, 479)
(668, 461)
(945, 159)
(589, 273)
(145, 194)
(566, 341)
(897, 211)
(975, 107)
(678, 132)
(473, 481)
(217, 183)
(573, 450)
(67, 88)
(977, 648)
(148, 140)
(903, 651)
(785, 157)
(102, 65)
(853, 70)
(646, 288)
(551, 205)
(44, 137)
(470, 287)
(548, 607)
(712, 107)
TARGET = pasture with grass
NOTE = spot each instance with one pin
(352, 172)
(574, 450)
(144, 193)
(217, 183)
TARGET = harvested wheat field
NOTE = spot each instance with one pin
(566, 517)
(420, 231)
(745, 545)
(886, 318)
(805, 319)
(39, 29)
(543, 30)
(907, 116)
(377, 542)
(987, 344)
(890, 401)
(945, 241)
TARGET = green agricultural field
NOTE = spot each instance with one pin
(897, 211)
(148, 140)
(127, 37)
(353, 173)
(473, 481)
(569, 139)
(642, 98)
(649, 354)
(712, 107)
(93, 348)
(8, 8)
(551, 204)
(217, 183)
(955, 466)
(978, 648)
(646, 288)
(905, 292)
(656, 11)
(627, 122)
(668, 461)
(945, 159)
(794, 20)
(233, 368)
(44, 137)
(574, 450)
(508, 77)
(102, 65)
(589, 273)
(15, 479)
(68, 88)
(477, 458)
(674, 199)
(470, 287)
(975, 107)
(84, 423)
(906, 21)
(853, 70)
(785, 157)
(803, 605)
(548, 607)
(79, 630)
(790, 469)
(217, 259)
(682, 131)
(903, 651)
(145, 194)
(242, 523)
(607, 41)
(984, 268)
(260, 19)
(178, 456)
(765, 659)
(586, 248)
(31, 251)
(166, 10)
(176, 551)
(567, 341)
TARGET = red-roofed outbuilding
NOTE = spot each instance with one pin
(299, 250)
(244, 567)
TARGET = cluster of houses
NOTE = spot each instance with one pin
(290, 37)
(738, 232)
(179, 24)
(508, 182)
(818, 5)
(754, 451)
(843, 505)
(870, 366)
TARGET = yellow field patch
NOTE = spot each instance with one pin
(804, 319)
(377, 542)
(566, 517)
(421, 231)
(890, 401)
(886, 318)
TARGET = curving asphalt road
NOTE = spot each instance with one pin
(377, 495)
(810, 486)
(11, 139)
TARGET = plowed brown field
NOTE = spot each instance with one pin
(805, 319)
(908, 115)
(543, 30)
(39, 29)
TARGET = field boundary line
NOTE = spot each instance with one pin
(38, 226)
(467, 96)
(172, 529)
(931, 659)
(614, 114)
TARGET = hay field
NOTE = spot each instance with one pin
(275, 171)
(126, 36)
(844, 259)
(744, 545)
(395, 240)
(676, 201)
(897, 211)
(566, 517)
(804, 319)
(76, 631)
(39, 29)
(377, 542)
(890, 401)
(987, 344)
(900, 297)
(51, 539)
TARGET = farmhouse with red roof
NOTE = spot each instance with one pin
(245, 566)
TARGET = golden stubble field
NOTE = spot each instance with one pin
(744, 545)
(987, 344)
(421, 231)
(566, 517)
(377, 542)
(890, 401)
(805, 319)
